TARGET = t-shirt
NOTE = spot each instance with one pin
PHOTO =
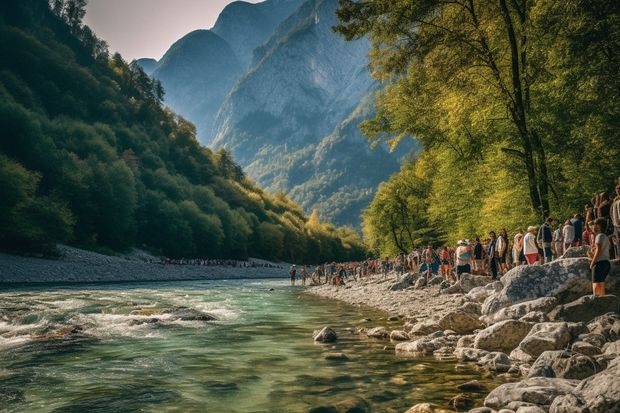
(529, 244)
(462, 255)
(569, 233)
(603, 241)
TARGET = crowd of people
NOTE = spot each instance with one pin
(598, 228)
(216, 263)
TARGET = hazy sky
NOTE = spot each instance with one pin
(146, 28)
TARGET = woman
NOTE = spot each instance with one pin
(568, 234)
(445, 263)
(517, 249)
(502, 250)
(530, 249)
(463, 259)
(599, 254)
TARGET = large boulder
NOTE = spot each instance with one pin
(503, 336)
(539, 391)
(585, 309)
(578, 287)
(528, 282)
(423, 328)
(576, 252)
(608, 326)
(460, 322)
(597, 394)
(564, 364)
(546, 336)
(517, 311)
(479, 294)
(495, 361)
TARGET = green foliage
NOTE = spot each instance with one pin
(88, 155)
(515, 103)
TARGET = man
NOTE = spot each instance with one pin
(544, 238)
(577, 223)
(463, 259)
(615, 219)
(292, 273)
(492, 255)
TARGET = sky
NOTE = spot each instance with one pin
(147, 28)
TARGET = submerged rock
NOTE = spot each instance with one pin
(189, 314)
(473, 386)
(325, 335)
(378, 332)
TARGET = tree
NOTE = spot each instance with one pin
(449, 51)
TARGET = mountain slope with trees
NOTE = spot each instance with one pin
(89, 156)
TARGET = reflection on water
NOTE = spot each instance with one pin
(226, 346)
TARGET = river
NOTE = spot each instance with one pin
(152, 347)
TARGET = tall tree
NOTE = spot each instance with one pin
(462, 70)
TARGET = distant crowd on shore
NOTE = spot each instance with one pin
(217, 263)
(597, 228)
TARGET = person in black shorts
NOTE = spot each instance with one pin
(599, 255)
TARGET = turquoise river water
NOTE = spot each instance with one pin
(152, 347)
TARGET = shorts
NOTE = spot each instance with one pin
(463, 269)
(531, 258)
(600, 271)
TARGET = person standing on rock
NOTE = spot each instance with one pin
(568, 235)
(599, 255)
(479, 257)
(615, 219)
(530, 250)
(493, 255)
(463, 259)
(293, 273)
(517, 249)
(544, 238)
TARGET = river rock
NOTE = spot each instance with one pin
(420, 283)
(461, 322)
(424, 328)
(466, 341)
(564, 364)
(325, 335)
(189, 314)
(528, 282)
(472, 307)
(495, 361)
(585, 348)
(378, 332)
(427, 408)
(597, 394)
(422, 346)
(336, 357)
(516, 311)
(535, 317)
(539, 391)
(595, 339)
(503, 336)
(461, 402)
(473, 386)
(469, 354)
(576, 252)
(612, 348)
(607, 325)
(399, 335)
(530, 409)
(585, 309)
(405, 282)
(467, 283)
(479, 294)
(546, 336)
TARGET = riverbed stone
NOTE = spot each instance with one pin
(420, 283)
(503, 336)
(424, 328)
(607, 325)
(540, 391)
(405, 282)
(530, 409)
(399, 335)
(535, 317)
(461, 322)
(466, 341)
(529, 282)
(585, 309)
(428, 408)
(495, 361)
(469, 354)
(472, 307)
(480, 294)
(564, 364)
(378, 332)
(585, 348)
(546, 336)
(472, 386)
(461, 402)
(325, 335)
(516, 311)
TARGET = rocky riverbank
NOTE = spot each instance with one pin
(80, 266)
(538, 326)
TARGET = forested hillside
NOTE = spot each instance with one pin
(89, 156)
(515, 103)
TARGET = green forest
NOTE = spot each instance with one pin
(90, 157)
(516, 104)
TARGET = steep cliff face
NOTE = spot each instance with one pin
(248, 25)
(197, 73)
(292, 121)
(274, 85)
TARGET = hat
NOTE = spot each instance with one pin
(462, 242)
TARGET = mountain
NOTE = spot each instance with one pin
(197, 73)
(147, 64)
(89, 156)
(288, 108)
